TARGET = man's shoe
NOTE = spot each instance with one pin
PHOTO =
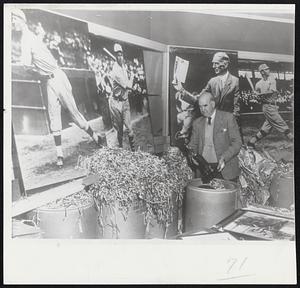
(60, 161)
(251, 145)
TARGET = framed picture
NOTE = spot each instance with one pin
(259, 226)
(86, 60)
(194, 67)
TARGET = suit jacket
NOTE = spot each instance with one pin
(227, 99)
(226, 138)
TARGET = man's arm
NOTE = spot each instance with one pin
(191, 98)
(121, 79)
(188, 97)
(273, 87)
(26, 48)
(234, 138)
(236, 100)
(193, 144)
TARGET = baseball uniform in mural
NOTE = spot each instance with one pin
(184, 114)
(267, 91)
(118, 102)
(59, 89)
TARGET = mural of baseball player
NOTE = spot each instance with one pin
(267, 91)
(118, 102)
(185, 115)
(59, 90)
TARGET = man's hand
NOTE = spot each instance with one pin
(221, 164)
(177, 85)
(191, 162)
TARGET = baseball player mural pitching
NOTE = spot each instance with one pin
(59, 89)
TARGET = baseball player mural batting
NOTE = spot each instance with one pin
(267, 91)
(118, 102)
(59, 89)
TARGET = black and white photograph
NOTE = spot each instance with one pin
(51, 137)
(137, 128)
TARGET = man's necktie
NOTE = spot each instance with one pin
(209, 120)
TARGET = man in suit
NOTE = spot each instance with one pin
(216, 137)
(224, 86)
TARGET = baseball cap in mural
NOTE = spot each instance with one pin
(19, 13)
(263, 67)
(220, 56)
(118, 48)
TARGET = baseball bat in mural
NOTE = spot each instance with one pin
(250, 83)
(110, 54)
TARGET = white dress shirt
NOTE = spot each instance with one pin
(209, 153)
(223, 79)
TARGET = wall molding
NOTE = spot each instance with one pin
(115, 34)
(248, 54)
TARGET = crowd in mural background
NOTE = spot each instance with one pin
(250, 102)
(72, 49)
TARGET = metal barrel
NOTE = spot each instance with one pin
(204, 207)
(282, 190)
(160, 231)
(115, 226)
(69, 223)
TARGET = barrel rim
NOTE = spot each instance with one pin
(61, 209)
(289, 174)
(234, 188)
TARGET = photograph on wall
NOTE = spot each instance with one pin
(267, 122)
(117, 64)
(254, 106)
(54, 115)
(61, 91)
(193, 69)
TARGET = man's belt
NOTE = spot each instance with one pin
(119, 98)
(270, 102)
(48, 76)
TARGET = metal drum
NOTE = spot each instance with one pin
(159, 231)
(282, 190)
(205, 207)
(69, 223)
(115, 226)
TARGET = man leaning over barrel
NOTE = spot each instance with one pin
(216, 136)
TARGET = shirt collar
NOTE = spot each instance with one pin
(224, 77)
(212, 116)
